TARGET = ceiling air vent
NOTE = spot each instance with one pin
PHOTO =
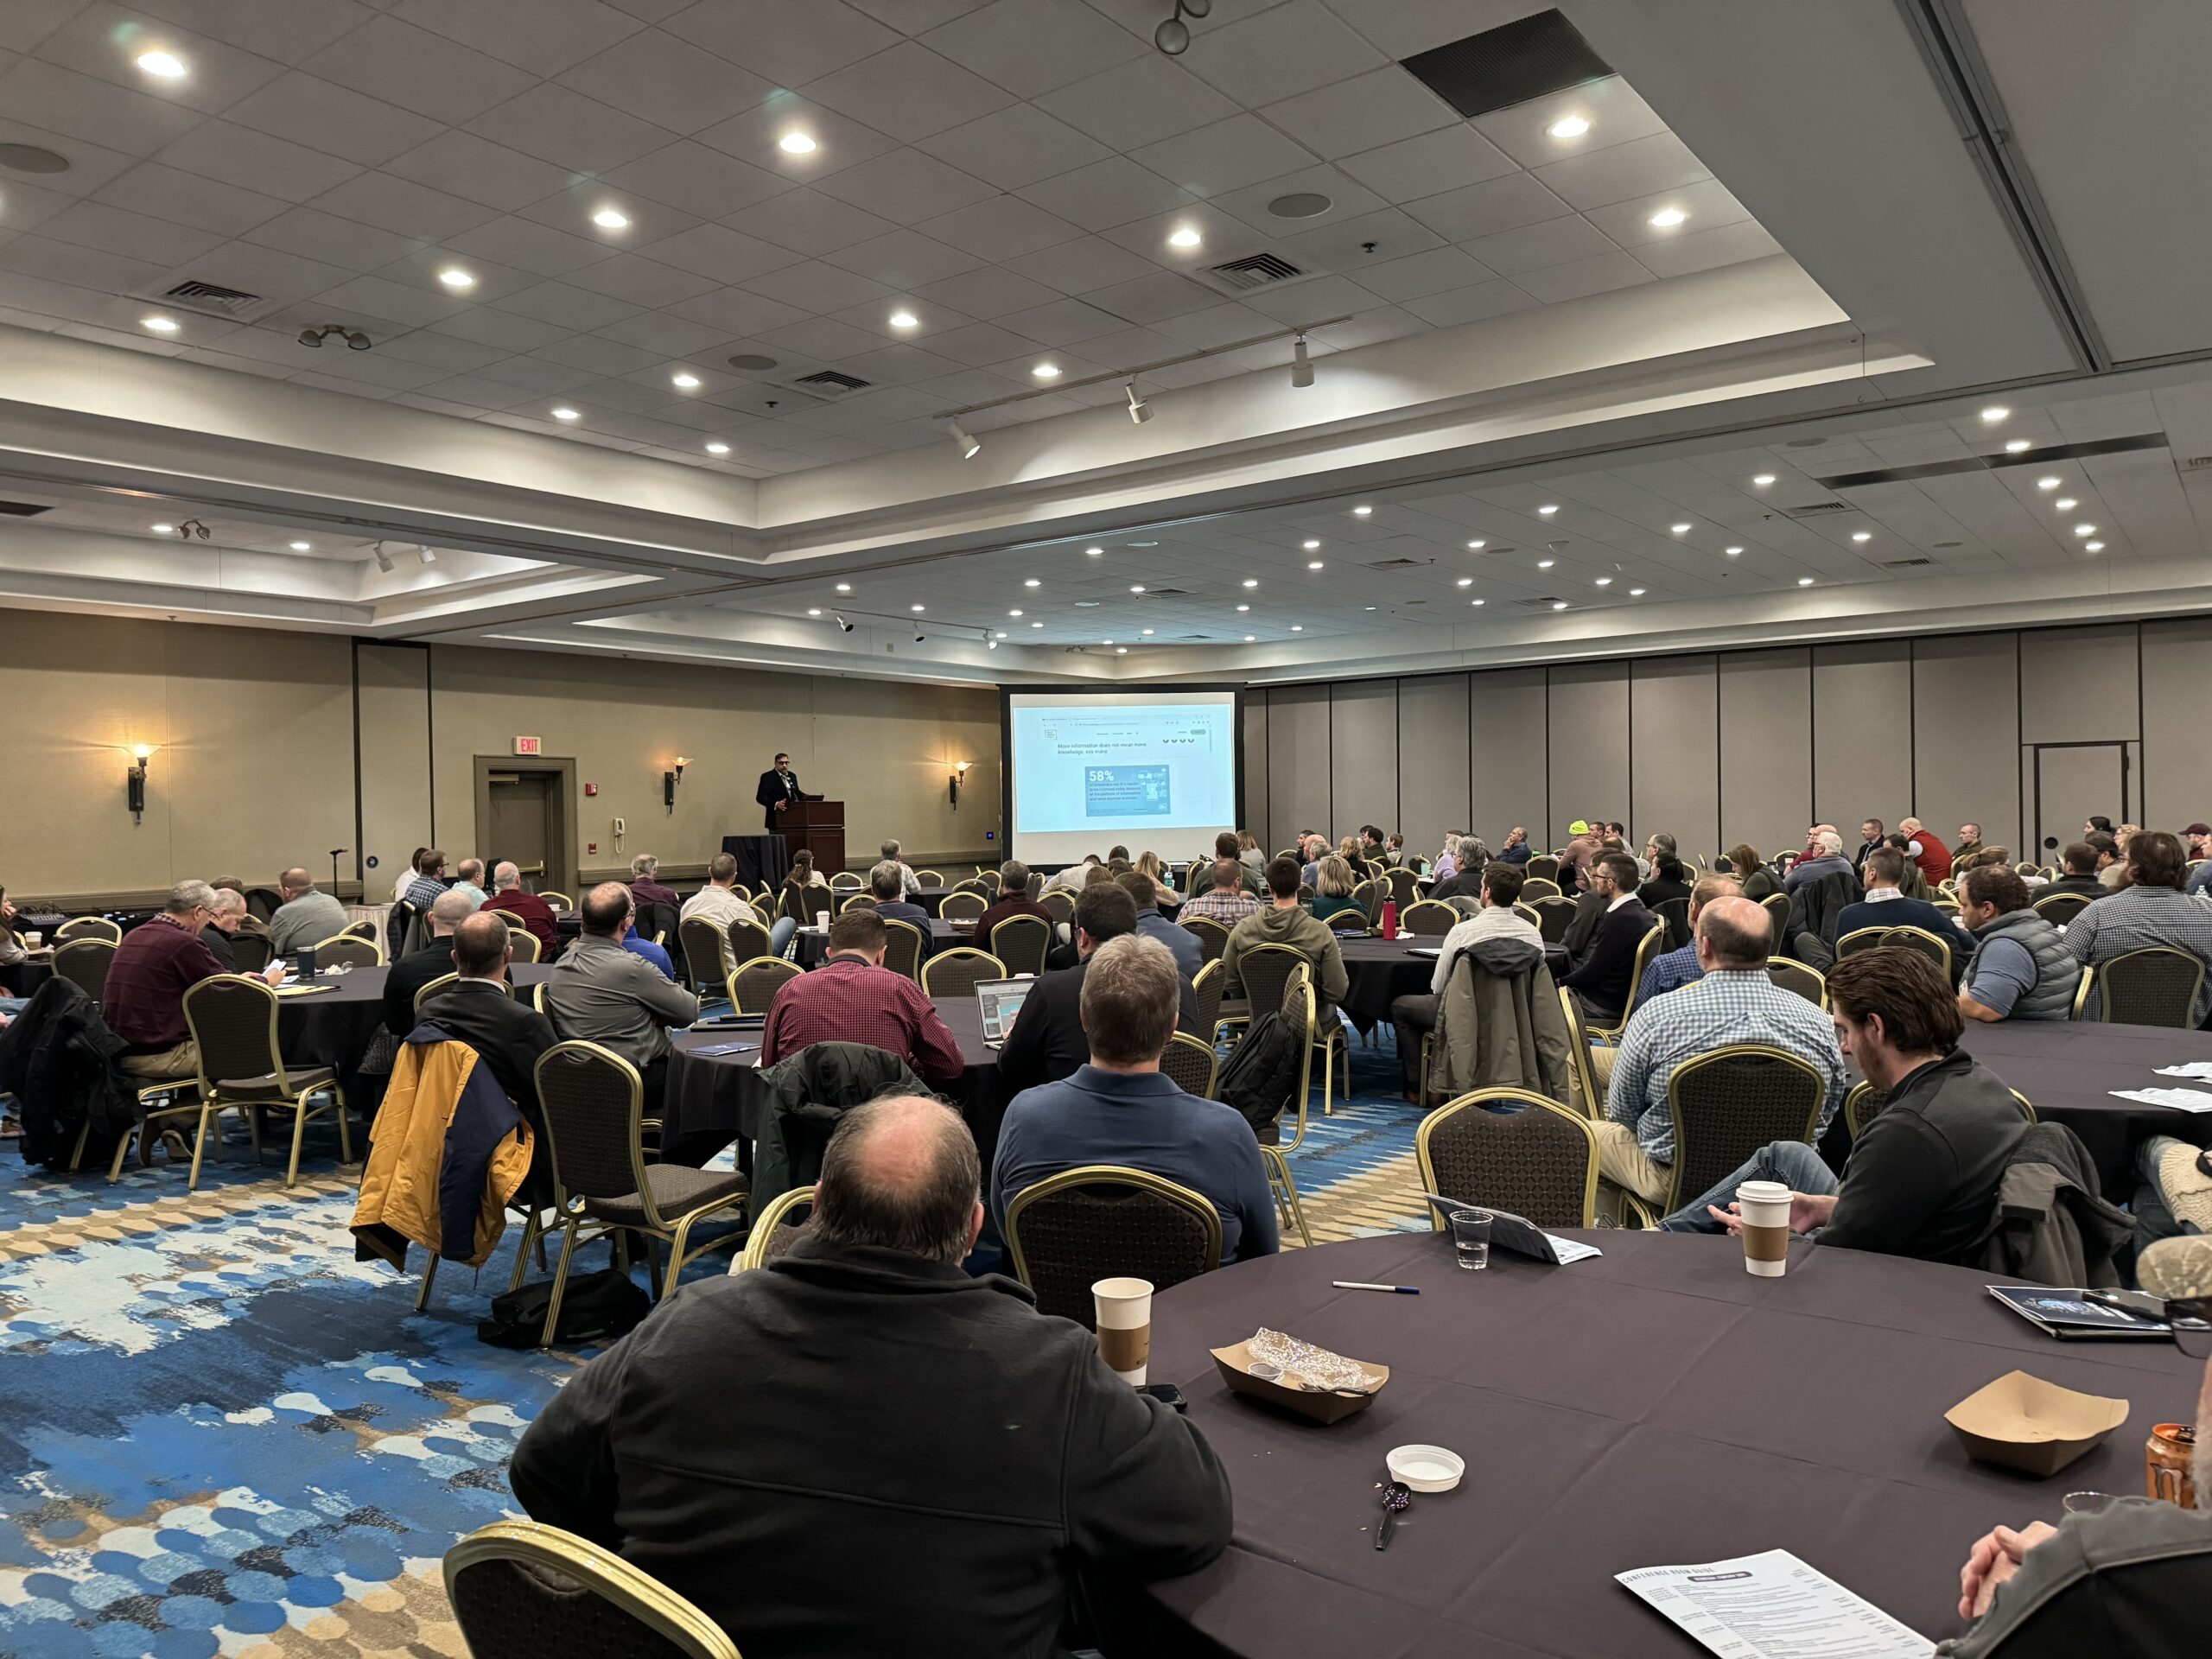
(2196, 463)
(23, 509)
(213, 299)
(832, 383)
(1543, 602)
(1817, 509)
(1397, 564)
(1168, 592)
(1509, 65)
(1904, 564)
(1255, 270)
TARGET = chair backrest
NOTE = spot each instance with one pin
(593, 1100)
(930, 878)
(1263, 971)
(1859, 938)
(524, 942)
(1728, 1103)
(1936, 949)
(1648, 947)
(1214, 936)
(1554, 915)
(251, 951)
(2026, 868)
(1061, 903)
(432, 989)
(558, 900)
(807, 905)
(1403, 889)
(2157, 986)
(964, 901)
(1865, 1103)
(764, 906)
(1539, 886)
(748, 940)
(1036, 885)
(2060, 908)
(1508, 1149)
(957, 972)
(1587, 1098)
(1808, 982)
(1674, 915)
(853, 898)
(1191, 1063)
(753, 986)
(361, 930)
(348, 948)
(773, 1230)
(1207, 988)
(1430, 918)
(233, 1023)
(1020, 942)
(88, 927)
(846, 880)
(902, 948)
(1528, 915)
(1543, 867)
(522, 1590)
(976, 884)
(83, 962)
(1102, 1221)
(706, 951)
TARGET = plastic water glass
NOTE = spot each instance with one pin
(1471, 1237)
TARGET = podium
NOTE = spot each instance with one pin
(817, 827)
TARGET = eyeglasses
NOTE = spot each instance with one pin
(2190, 1319)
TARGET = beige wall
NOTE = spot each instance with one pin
(256, 768)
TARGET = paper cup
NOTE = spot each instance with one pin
(1764, 1206)
(1124, 1327)
(32, 941)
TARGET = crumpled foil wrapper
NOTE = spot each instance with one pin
(1280, 1358)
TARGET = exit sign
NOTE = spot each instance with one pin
(529, 746)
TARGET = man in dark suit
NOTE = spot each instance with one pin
(434, 960)
(1605, 975)
(1047, 1042)
(478, 1009)
(779, 789)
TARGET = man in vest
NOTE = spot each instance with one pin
(2020, 968)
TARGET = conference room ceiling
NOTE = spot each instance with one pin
(1845, 294)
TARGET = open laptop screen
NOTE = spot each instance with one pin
(999, 1000)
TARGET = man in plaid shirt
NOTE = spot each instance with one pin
(1226, 901)
(853, 998)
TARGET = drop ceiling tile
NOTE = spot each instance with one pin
(577, 309)
(978, 344)
(905, 186)
(1148, 99)
(25, 206)
(642, 281)
(819, 339)
(1151, 300)
(60, 100)
(1213, 160)
(288, 30)
(916, 16)
(1322, 296)
(480, 392)
(1216, 325)
(1030, 49)
(437, 351)
(265, 272)
(718, 252)
(1638, 167)
(64, 262)
(908, 91)
(1429, 165)
(930, 320)
(816, 287)
(103, 41)
(1346, 200)
(307, 110)
(1488, 209)
(1063, 322)
(526, 246)
(416, 70)
(1419, 274)
(476, 170)
(1553, 242)
(698, 180)
(1456, 306)
(1612, 107)
(753, 135)
(1352, 246)
(376, 368)
(1607, 271)
(379, 296)
(1279, 52)
(806, 221)
(90, 167)
(988, 291)
(571, 210)
(94, 224)
(684, 88)
(1366, 112)
(999, 228)
(1729, 244)
(314, 235)
(903, 259)
(403, 207)
(594, 401)
(543, 36)
(256, 160)
(789, 42)
(1708, 203)
(570, 129)
(1372, 327)
(488, 327)
(1106, 193)
(727, 314)
(1014, 146)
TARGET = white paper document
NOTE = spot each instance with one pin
(2201, 1069)
(1774, 1606)
(1572, 1249)
(2182, 1100)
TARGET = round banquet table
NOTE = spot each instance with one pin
(23, 978)
(334, 1027)
(1657, 1406)
(813, 947)
(1381, 970)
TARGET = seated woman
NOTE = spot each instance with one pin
(794, 904)
(1751, 870)
(1333, 896)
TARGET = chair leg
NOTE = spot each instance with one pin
(568, 1225)
(429, 1276)
(653, 1268)
(676, 1257)
(77, 1157)
(299, 1131)
(122, 1152)
(209, 1112)
(1290, 1185)
(530, 1236)
(345, 1130)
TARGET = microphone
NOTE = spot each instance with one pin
(333, 869)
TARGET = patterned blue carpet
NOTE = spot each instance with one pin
(236, 1441)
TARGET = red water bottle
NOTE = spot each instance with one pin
(1390, 919)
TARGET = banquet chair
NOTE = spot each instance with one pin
(976, 884)
(774, 1230)
(846, 882)
(963, 903)
(525, 943)
(1727, 1104)
(1213, 937)
(1206, 989)
(1808, 982)
(764, 906)
(1647, 949)
(1593, 1067)
(1542, 866)
(2060, 908)
(180, 1098)
(1529, 914)
(1103, 1221)
(1061, 903)
(1035, 887)
(232, 1020)
(1539, 886)
(1536, 1159)
(1298, 1009)
(956, 972)
(749, 941)
(349, 950)
(1263, 971)
(902, 948)
(1865, 1103)
(1403, 886)
(1429, 918)
(360, 930)
(522, 1590)
(753, 986)
(250, 952)
(1020, 942)
(1937, 950)
(1554, 915)
(852, 900)
(88, 927)
(83, 962)
(1776, 906)
(930, 878)
(706, 952)
(593, 1105)
(807, 905)
(2156, 986)
(1674, 915)
(433, 989)
(1191, 1064)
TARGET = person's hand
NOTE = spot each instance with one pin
(781, 805)
(7, 910)
(1994, 1559)
(274, 973)
(1808, 1210)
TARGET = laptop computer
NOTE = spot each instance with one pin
(999, 1000)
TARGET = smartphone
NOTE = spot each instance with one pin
(1167, 1394)
(2129, 1302)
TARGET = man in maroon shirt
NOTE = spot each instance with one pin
(853, 998)
(156, 963)
(532, 912)
(1014, 899)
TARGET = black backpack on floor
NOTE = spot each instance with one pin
(1260, 1075)
(597, 1307)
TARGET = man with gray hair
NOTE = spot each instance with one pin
(887, 883)
(308, 916)
(1120, 1110)
(908, 882)
(156, 963)
(434, 960)
(645, 885)
(1829, 861)
(974, 1500)
(225, 917)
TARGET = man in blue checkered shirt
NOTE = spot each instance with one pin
(1733, 1001)
(1680, 967)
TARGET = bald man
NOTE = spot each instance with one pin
(306, 917)
(973, 1501)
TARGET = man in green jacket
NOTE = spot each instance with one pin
(1283, 920)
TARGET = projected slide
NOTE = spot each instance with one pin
(1155, 770)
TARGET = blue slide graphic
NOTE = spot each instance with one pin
(1125, 792)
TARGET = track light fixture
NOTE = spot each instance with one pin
(1302, 365)
(429, 555)
(843, 626)
(354, 339)
(1139, 411)
(192, 527)
(1174, 36)
(384, 561)
(961, 440)
(917, 636)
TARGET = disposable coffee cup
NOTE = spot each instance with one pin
(33, 940)
(1764, 1206)
(1124, 1327)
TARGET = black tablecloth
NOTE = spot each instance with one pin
(2068, 1068)
(336, 1027)
(1380, 970)
(762, 860)
(1657, 1406)
(24, 978)
(813, 947)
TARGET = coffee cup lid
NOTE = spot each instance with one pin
(1762, 1193)
(1121, 1290)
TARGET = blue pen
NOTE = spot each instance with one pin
(1397, 1290)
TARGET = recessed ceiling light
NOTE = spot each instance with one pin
(1679, 530)
(2014, 446)
(1573, 126)
(1762, 480)
(1635, 592)
(2093, 547)
(1547, 509)
(1309, 546)
(1862, 535)
(2064, 503)
(1013, 613)
(1804, 581)
(1185, 236)
(1036, 625)
(1093, 551)
(2047, 483)
(564, 413)
(1666, 218)
(1546, 564)
(1298, 627)
(1361, 512)
(1003, 635)
(611, 218)
(1249, 637)
(2085, 530)
(1243, 607)
(1251, 581)
(165, 65)
(1733, 551)
(1477, 545)
(795, 143)
(455, 277)
(1145, 631)
(1368, 608)
(683, 380)
(303, 547)
(905, 320)
(1046, 371)
(914, 607)
(1603, 581)
(1137, 588)
(1993, 414)
(1032, 583)
(1105, 642)
(844, 587)
(164, 530)
(718, 449)
(1312, 564)
(159, 325)
(813, 611)
(1474, 601)
(1559, 604)
(1466, 582)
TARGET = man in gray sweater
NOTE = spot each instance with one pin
(1283, 920)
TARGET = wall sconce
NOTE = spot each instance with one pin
(959, 771)
(669, 780)
(135, 780)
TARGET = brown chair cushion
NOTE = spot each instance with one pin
(676, 1190)
(276, 1089)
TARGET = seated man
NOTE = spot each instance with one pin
(1179, 942)
(1415, 1015)
(641, 947)
(477, 1009)
(1119, 1110)
(2199, 852)
(434, 960)
(1931, 856)
(1922, 1178)
(1285, 921)
(600, 993)
(886, 882)
(1047, 1042)
(645, 885)
(1517, 850)
(307, 915)
(224, 918)
(2150, 910)
(1827, 861)
(1204, 876)
(853, 998)
(1680, 967)
(1970, 844)
(971, 1504)
(1468, 879)
(908, 882)
(1734, 1003)
(2077, 874)
(1604, 973)
(1075, 877)
(719, 901)
(156, 963)
(429, 880)
(2019, 968)
(2127, 1579)
(1014, 900)
(468, 880)
(1886, 905)
(532, 912)
(1224, 898)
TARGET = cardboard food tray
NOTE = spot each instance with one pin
(1321, 1408)
(2022, 1422)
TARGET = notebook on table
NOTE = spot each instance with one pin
(2070, 1316)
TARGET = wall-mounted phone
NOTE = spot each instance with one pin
(620, 829)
